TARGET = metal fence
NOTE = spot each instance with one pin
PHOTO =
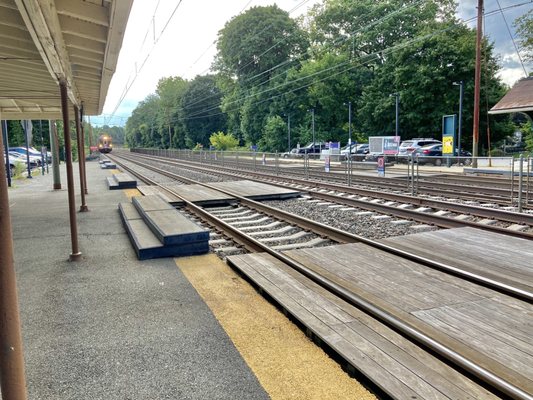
(518, 170)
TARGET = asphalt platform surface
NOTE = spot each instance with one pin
(110, 326)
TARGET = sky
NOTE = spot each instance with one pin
(178, 38)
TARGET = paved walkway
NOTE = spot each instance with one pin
(110, 326)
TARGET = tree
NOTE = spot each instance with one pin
(145, 115)
(422, 72)
(201, 110)
(222, 141)
(369, 27)
(256, 42)
(524, 30)
(527, 132)
(170, 115)
(274, 137)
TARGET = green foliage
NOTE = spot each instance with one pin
(256, 41)
(222, 141)
(201, 110)
(527, 134)
(274, 137)
(524, 30)
(15, 134)
(270, 67)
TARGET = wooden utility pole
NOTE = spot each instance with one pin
(477, 84)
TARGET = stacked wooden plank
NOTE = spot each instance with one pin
(121, 181)
(107, 164)
(156, 229)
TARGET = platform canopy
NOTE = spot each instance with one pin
(45, 41)
(518, 99)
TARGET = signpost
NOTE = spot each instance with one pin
(381, 166)
(327, 163)
(448, 136)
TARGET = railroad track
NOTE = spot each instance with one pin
(466, 188)
(233, 222)
(426, 211)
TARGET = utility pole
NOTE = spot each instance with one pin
(477, 84)
(460, 127)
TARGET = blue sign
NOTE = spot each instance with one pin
(253, 147)
(448, 134)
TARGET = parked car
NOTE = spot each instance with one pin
(13, 161)
(34, 154)
(432, 154)
(310, 149)
(407, 147)
(516, 147)
(355, 151)
(34, 160)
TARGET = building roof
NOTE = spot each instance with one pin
(43, 41)
(518, 99)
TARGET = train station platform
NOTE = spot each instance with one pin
(112, 327)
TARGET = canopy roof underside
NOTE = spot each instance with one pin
(518, 99)
(44, 41)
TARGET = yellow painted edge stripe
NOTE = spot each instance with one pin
(287, 364)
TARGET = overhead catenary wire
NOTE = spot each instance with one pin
(512, 39)
(326, 48)
(137, 71)
(201, 114)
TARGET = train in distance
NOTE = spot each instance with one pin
(105, 144)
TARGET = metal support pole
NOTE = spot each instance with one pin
(76, 254)
(42, 143)
(477, 84)
(27, 141)
(6, 148)
(289, 131)
(528, 180)
(312, 111)
(83, 207)
(412, 175)
(54, 149)
(12, 379)
(397, 130)
(408, 171)
(417, 174)
(277, 164)
(520, 183)
(512, 181)
(83, 159)
(460, 127)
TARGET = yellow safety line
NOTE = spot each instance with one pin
(287, 364)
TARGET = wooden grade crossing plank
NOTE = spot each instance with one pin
(168, 225)
(257, 190)
(433, 302)
(393, 363)
(500, 257)
(156, 191)
(201, 195)
(146, 244)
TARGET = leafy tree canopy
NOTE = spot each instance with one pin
(257, 41)
(524, 29)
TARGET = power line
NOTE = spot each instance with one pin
(512, 39)
(137, 71)
(374, 56)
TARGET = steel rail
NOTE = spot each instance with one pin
(501, 215)
(446, 188)
(346, 237)
(377, 312)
